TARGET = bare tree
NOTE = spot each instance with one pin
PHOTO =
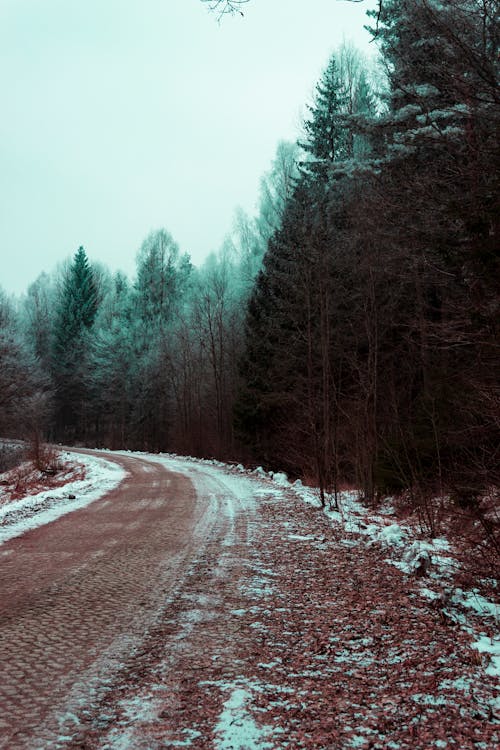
(225, 7)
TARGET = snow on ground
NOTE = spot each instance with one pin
(236, 728)
(430, 558)
(306, 635)
(30, 512)
(431, 564)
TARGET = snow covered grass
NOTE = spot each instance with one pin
(83, 480)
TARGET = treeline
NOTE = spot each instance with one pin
(371, 350)
(348, 333)
(87, 356)
(93, 358)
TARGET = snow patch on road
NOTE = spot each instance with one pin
(33, 511)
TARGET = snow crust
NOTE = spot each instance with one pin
(33, 511)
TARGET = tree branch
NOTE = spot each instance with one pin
(225, 7)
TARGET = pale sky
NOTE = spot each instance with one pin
(124, 116)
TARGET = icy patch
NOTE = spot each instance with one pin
(426, 699)
(237, 728)
(357, 658)
(191, 734)
(268, 492)
(31, 512)
(139, 710)
(389, 536)
(258, 588)
(271, 664)
(428, 593)
(460, 683)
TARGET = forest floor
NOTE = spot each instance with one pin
(276, 626)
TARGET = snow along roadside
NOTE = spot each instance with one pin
(30, 512)
(474, 613)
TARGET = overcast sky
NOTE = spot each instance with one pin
(123, 116)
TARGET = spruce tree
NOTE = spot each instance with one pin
(440, 187)
(74, 319)
(325, 130)
(112, 361)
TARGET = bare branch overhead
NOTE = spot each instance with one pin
(225, 7)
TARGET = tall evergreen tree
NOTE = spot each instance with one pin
(74, 319)
(325, 132)
(288, 403)
(441, 177)
(112, 362)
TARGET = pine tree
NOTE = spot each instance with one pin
(77, 305)
(287, 409)
(325, 130)
(74, 319)
(438, 186)
(364, 111)
(285, 406)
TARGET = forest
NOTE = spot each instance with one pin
(348, 332)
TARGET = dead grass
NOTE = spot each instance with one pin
(46, 472)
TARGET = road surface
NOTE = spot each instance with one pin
(198, 608)
(79, 594)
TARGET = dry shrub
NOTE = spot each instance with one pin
(20, 475)
(477, 529)
(47, 459)
(473, 528)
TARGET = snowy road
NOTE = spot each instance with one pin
(198, 606)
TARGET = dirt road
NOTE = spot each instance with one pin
(201, 608)
(79, 594)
